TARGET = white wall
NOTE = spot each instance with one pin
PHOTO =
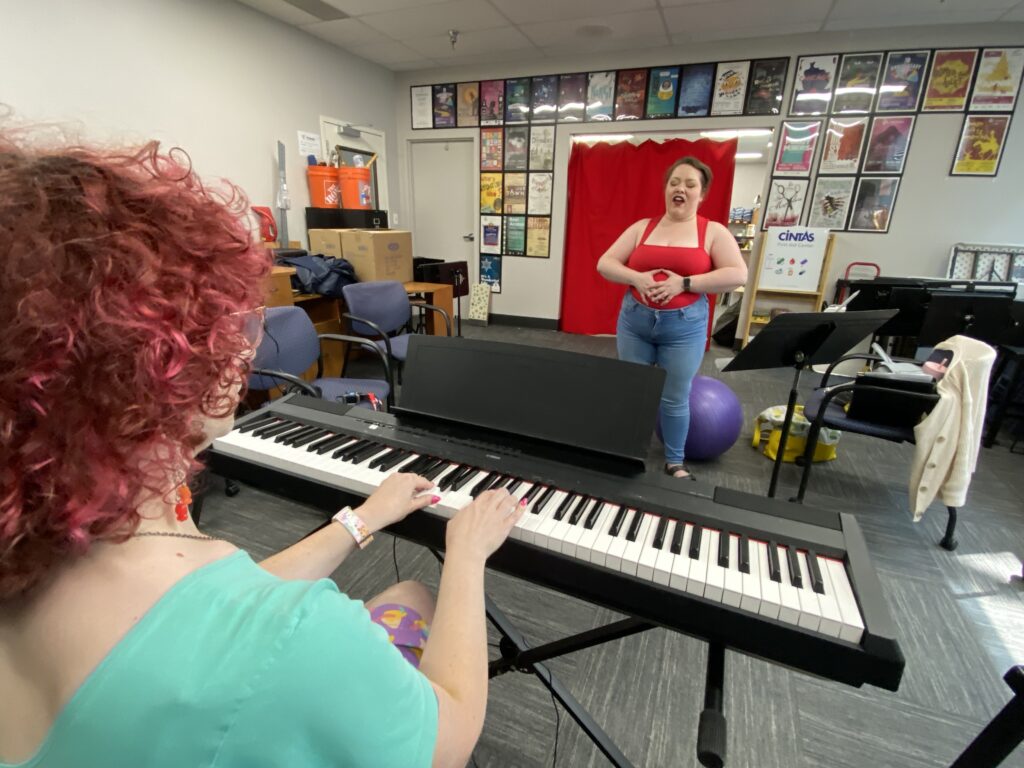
(933, 210)
(213, 76)
(747, 183)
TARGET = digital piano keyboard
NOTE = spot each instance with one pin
(783, 582)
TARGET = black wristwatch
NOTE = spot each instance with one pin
(686, 284)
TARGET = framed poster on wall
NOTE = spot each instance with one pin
(468, 98)
(490, 234)
(813, 84)
(630, 90)
(492, 102)
(981, 145)
(492, 149)
(831, 201)
(844, 140)
(857, 83)
(730, 88)
(572, 98)
(444, 105)
(662, 87)
(873, 204)
(600, 96)
(903, 81)
(786, 199)
(517, 100)
(422, 104)
(517, 144)
(515, 236)
(949, 80)
(795, 153)
(998, 82)
(544, 107)
(542, 148)
(767, 82)
(696, 82)
(888, 144)
(490, 271)
(538, 236)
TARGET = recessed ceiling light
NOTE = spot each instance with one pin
(592, 31)
(749, 155)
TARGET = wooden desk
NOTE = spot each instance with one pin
(440, 295)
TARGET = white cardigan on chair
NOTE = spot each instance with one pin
(948, 438)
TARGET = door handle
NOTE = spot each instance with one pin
(469, 238)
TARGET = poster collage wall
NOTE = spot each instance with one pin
(865, 106)
(860, 107)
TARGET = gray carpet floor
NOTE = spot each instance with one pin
(960, 618)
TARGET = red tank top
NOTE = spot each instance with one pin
(682, 261)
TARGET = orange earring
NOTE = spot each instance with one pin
(184, 499)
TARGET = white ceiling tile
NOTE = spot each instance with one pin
(411, 66)
(741, 33)
(345, 33)
(282, 11)
(1017, 14)
(746, 13)
(912, 20)
(623, 26)
(471, 43)
(533, 11)
(387, 52)
(670, 3)
(363, 7)
(868, 11)
(463, 15)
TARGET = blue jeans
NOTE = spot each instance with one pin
(672, 339)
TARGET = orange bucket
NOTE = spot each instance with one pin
(324, 186)
(355, 187)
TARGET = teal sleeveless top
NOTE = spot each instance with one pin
(234, 667)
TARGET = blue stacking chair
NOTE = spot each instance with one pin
(290, 346)
(382, 311)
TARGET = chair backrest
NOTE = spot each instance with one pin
(289, 344)
(385, 303)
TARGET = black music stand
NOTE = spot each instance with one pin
(801, 339)
(983, 316)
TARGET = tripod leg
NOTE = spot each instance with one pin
(711, 730)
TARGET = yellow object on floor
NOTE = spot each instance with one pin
(772, 418)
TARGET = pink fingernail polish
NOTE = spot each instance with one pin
(522, 502)
(434, 499)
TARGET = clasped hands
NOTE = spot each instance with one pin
(655, 291)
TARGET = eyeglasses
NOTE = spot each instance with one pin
(252, 324)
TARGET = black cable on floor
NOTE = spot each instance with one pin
(394, 556)
(558, 720)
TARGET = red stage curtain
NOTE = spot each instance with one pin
(610, 187)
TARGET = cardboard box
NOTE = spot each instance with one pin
(378, 254)
(326, 242)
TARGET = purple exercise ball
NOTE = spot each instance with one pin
(716, 419)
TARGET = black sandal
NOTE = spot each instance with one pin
(671, 469)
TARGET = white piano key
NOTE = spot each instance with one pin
(605, 539)
(648, 554)
(542, 533)
(714, 586)
(569, 543)
(681, 565)
(619, 544)
(631, 556)
(587, 542)
(538, 518)
(831, 618)
(663, 565)
(561, 528)
(751, 582)
(733, 593)
(810, 612)
(789, 598)
(697, 579)
(852, 629)
(771, 601)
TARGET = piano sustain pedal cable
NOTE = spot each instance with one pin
(360, 397)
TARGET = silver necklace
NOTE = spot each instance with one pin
(196, 536)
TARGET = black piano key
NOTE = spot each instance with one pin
(358, 457)
(595, 512)
(274, 429)
(676, 547)
(257, 422)
(413, 467)
(695, 542)
(382, 458)
(498, 482)
(321, 440)
(817, 583)
(308, 438)
(446, 479)
(287, 437)
(333, 443)
(430, 465)
(744, 550)
(774, 571)
(346, 450)
(723, 549)
(617, 521)
(532, 493)
(513, 485)
(464, 478)
(563, 508)
(577, 513)
(543, 501)
(795, 575)
(482, 486)
(390, 463)
(436, 470)
(634, 526)
(659, 534)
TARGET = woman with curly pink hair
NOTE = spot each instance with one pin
(129, 303)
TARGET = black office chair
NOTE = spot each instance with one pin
(826, 408)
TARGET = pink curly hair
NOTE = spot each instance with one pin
(122, 280)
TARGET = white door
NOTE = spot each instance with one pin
(444, 204)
